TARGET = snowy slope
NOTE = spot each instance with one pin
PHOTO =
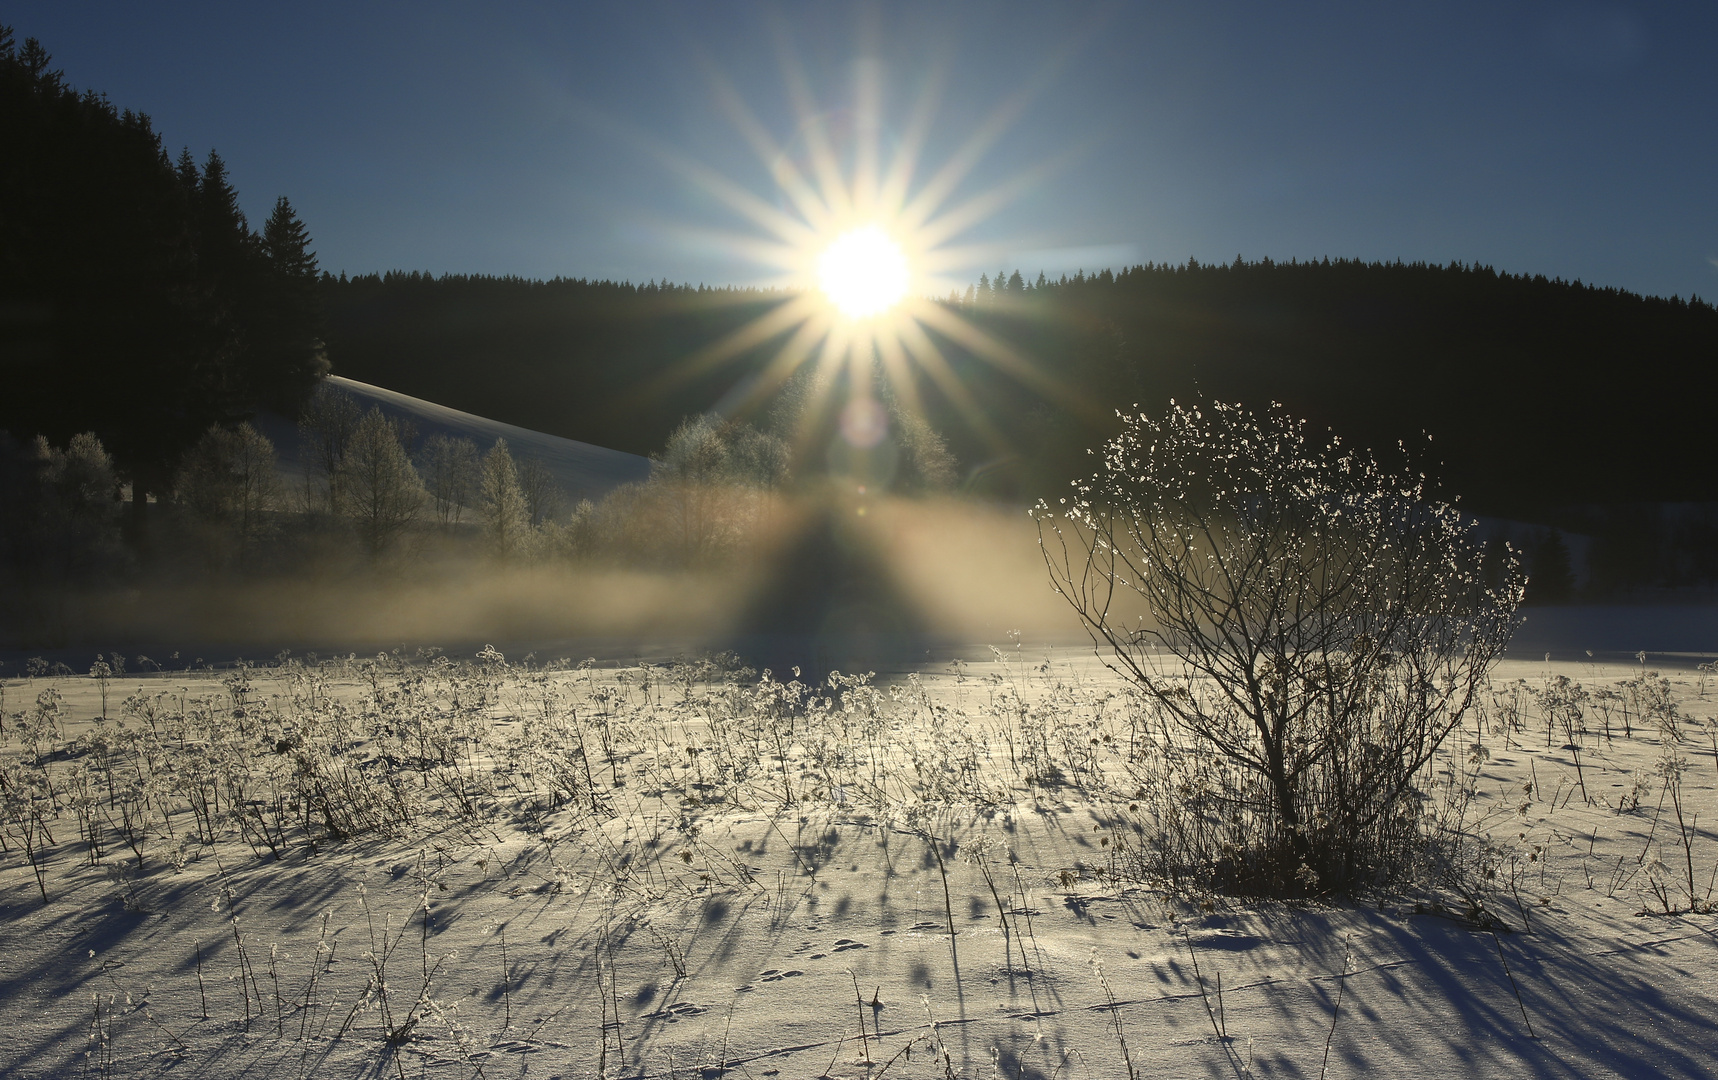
(583, 470)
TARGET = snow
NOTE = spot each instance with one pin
(582, 470)
(813, 934)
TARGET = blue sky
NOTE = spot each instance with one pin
(1572, 139)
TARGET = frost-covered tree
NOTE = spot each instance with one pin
(325, 428)
(58, 510)
(925, 463)
(542, 494)
(378, 487)
(758, 459)
(82, 473)
(228, 480)
(449, 468)
(689, 470)
(506, 519)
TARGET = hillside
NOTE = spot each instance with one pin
(1537, 393)
(581, 470)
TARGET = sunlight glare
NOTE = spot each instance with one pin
(863, 272)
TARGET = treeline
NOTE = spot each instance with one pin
(1537, 393)
(599, 361)
(136, 301)
(371, 492)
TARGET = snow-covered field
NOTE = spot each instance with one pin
(412, 867)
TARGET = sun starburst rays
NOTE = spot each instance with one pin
(859, 243)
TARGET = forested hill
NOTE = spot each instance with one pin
(135, 299)
(1536, 392)
(601, 362)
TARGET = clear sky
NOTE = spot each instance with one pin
(1572, 139)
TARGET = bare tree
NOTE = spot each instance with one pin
(378, 487)
(506, 522)
(450, 473)
(1315, 623)
(542, 494)
(325, 428)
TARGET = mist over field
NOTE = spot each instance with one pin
(827, 586)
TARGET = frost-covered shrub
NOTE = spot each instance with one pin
(1308, 625)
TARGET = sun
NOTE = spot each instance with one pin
(863, 248)
(864, 273)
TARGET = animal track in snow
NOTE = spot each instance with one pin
(676, 1011)
(841, 945)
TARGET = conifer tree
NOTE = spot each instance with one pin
(287, 327)
(224, 235)
(154, 311)
(286, 242)
(189, 175)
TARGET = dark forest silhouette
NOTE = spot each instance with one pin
(1537, 393)
(135, 300)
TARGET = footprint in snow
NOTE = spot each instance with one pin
(772, 975)
(848, 943)
(676, 1011)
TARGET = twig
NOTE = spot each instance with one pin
(1523, 1006)
(201, 993)
(839, 1043)
(859, 1001)
(1341, 984)
(1115, 1016)
(506, 980)
(948, 901)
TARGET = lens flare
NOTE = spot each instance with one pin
(864, 423)
(863, 273)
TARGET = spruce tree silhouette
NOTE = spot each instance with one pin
(138, 304)
(290, 354)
